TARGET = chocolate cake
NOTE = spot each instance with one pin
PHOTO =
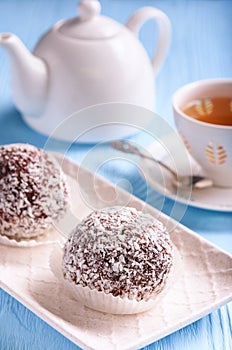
(33, 191)
(119, 251)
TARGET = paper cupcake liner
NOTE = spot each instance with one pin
(51, 236)
(103, 302)
(58, 232)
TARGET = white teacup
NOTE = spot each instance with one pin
(209, 143)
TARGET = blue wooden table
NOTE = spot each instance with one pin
(201, 48)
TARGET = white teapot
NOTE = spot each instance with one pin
(84, 61)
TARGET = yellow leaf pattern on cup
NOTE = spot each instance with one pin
(215, 154)
(186, 143)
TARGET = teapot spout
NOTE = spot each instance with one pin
(29, 76)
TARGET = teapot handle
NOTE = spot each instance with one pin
(164, 26)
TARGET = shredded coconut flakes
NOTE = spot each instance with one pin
(121, 251)
(33, 191)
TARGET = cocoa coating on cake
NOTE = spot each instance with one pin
(121, 251)
(33, 191)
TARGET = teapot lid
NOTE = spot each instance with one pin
(89, 24)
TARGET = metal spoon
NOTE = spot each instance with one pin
(195, 181)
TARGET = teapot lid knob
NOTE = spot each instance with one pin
(89, 24)
(88, 9)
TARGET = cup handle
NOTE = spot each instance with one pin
(164, 27)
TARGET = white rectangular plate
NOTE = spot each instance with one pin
(204, 282)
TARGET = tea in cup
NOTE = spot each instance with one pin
(203, 117)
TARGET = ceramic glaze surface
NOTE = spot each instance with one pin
(100, 72)
(208, 143)
(201, 48)
(88, 60)
(200, 263)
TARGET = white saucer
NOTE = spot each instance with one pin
(213, 198)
